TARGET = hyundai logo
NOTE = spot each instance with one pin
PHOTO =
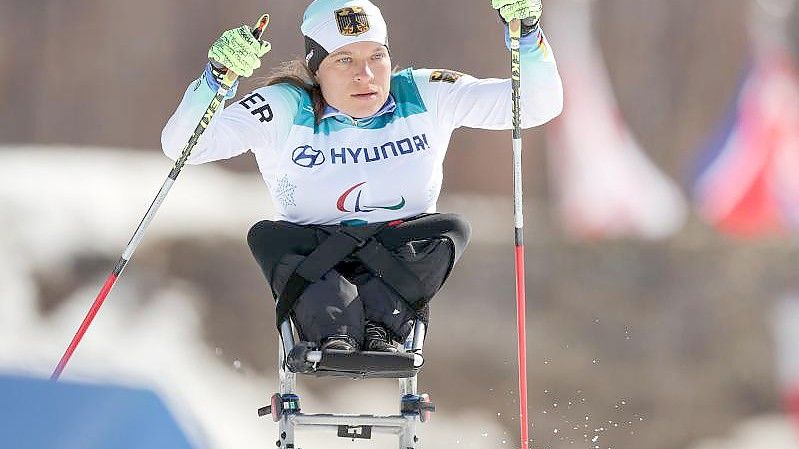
(306, 156)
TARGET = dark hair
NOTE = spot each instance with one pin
(297, 74)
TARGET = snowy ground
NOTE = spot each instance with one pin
(766, 432)
(56, 202)
(59, 202)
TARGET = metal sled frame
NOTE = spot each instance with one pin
(414, 408)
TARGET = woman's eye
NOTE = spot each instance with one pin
(379, 56)
(345, 60)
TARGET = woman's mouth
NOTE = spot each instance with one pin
(365, 96)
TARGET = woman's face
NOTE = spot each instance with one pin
(355, 79)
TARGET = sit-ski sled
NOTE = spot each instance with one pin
(305, 358)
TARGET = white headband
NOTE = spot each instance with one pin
(332, 24)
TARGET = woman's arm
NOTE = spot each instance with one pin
(257, 120)
(462, 100)
(237, 128)
(486, 103)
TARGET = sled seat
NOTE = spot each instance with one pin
(306, 358)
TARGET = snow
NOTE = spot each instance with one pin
(56, 202)
(765, 432)
(59, 201)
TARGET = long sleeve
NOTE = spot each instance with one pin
(463, 100)
(258, 120)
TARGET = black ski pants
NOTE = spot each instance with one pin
(347, 295)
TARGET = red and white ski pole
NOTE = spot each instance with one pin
(521, 331)
(138, 235)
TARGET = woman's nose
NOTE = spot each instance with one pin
(364, 73)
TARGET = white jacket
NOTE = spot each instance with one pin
(383, 168)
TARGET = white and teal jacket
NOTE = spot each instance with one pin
(382, 168)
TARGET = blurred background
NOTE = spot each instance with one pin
(662, 211)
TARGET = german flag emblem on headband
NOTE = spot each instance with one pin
(352, 21)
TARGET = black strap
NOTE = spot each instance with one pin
(340, 243)
(285, 303)
(394, 273)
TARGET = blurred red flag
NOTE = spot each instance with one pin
(748, 179)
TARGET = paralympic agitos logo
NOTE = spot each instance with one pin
(345, 201)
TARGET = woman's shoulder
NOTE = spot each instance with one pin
(421, 87)
(283, 91)
(436, 76)
(418, 89)
(290, 100)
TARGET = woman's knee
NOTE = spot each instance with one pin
(461, 229)
(263, 230)
(275, 238)
(457, 230)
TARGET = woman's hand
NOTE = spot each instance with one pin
(239, 51)
(528, 11)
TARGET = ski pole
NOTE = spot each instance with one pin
(515, 36)
(227, 82)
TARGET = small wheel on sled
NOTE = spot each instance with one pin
(418, 405)
(426, 408)
(275, 408)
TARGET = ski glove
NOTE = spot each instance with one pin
(239, 50)
(528, 11)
